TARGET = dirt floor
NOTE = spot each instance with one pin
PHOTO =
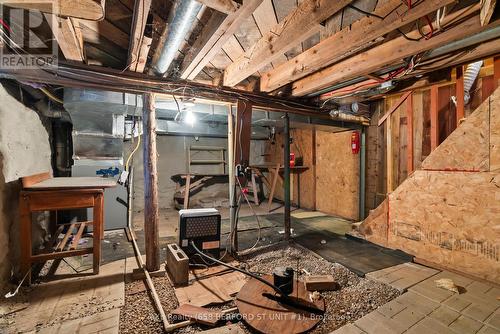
(356, 297)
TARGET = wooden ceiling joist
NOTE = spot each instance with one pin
(68, 35)
(215, 43)
(82, 9)
(299, 25)
(348, 40)
(138, 48)
(392, 52)
(223, 6)
(94, 30)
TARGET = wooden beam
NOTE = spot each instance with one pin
(479, 52)
(300, 24)
(93, 31)
(487, 10)
(223, 6)
(68, 36)
(394, 108)
(434, 117)
(389, 156)
(219, 38)
(496, 71)
(151, 216)
(136, 59)
(347, 41)
(409, 137)
(459, 94)
(82, 9)
(391, 52)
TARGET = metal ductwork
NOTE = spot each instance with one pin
(470, 76)
(184, 17)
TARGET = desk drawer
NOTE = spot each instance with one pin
(60, 201)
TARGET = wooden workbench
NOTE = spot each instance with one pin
(276, 170)
(43, 193)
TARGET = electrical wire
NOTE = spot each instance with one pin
(259, 236)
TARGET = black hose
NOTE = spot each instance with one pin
(274, 287)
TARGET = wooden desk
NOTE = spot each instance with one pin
(276, 170)
(62, 193)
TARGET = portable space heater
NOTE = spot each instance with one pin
(202, 226)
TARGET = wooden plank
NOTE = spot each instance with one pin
(79, 182)
(82, 9)
(29, 181)
(495, 131)
(65, 33)
(199, 314)
(64, 241)
(187, 189)
(434, 117)
(223, 6)
(299, 25)
(394, 108)
(389, 53)
(496, 71)
(460, 94)
(487, 10)
(219, 38)
(136, 58)
(151, 215)
(409, 130)
(348, 40)
(95, 30)
(418, 125)
(78, 235)
(389, 155)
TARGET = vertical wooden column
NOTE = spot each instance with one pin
(434, 117)
(286, 176)
(409, 119)
(151, 216)
(389, 153)
(460, 94)
(496, 73)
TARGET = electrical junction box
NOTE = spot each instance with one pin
(202, 226)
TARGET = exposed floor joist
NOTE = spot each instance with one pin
(299, 25)
(219, 38)
(139, 44)
(348, 41)
(223, 6)
(390, 53)
(68, 36)
(82, 9)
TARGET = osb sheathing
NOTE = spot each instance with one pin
(449, 213)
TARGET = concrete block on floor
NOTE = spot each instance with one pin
(403, 275)
(429, 290)
(408, 317)
(480, 312)
(444, 315)
(375, 322)
(420, 303)
(457, 303)
(488, 330)
(391, 308)
(349, 329)
(465, 325)
(494, 320)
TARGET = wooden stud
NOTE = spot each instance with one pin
(460, 94)
(409, 138)
(389, 158)
(394, 108)
(151, 216)
(434, 117)
(60, 247)
(487, 10)
(68, 39)
(496, 73)
(187, 191)
(223, 6)
(78, 235)
(97, 231)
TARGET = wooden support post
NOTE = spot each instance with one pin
(434, 117)
(496, 73)
(409, 117)
(389, 160)
(151, 216)
(286, 176)
(460, 94)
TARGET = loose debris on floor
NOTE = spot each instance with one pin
(355, 297)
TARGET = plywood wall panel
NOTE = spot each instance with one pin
(337, 175)
(494, 103)
(450, 218)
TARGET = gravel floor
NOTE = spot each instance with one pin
(357, 296)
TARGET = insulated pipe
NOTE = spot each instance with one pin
(185, 15)
(470, 76)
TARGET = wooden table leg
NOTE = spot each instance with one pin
(186, 191)
(254, 188)
(98, 226)
(25, 237)
(273, 188)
